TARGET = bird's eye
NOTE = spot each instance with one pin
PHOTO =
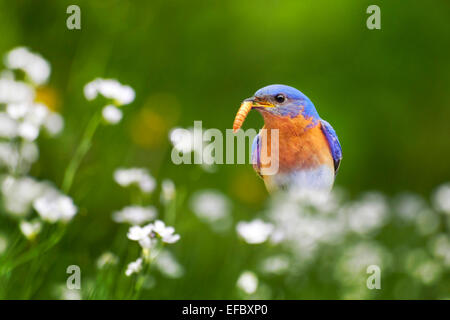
(280, 98)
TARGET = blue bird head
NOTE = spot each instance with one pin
(284, 101)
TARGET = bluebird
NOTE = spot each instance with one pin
(309, 151)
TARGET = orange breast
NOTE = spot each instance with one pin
(300, 145)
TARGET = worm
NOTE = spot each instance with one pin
(242, 113)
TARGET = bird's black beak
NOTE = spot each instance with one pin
(258, 103)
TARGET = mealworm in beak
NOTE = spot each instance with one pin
(242, 113)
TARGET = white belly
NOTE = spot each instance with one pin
(317, 179)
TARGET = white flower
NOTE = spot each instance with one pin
(28, 118)
(254, 232)
(30, 229)
(148, 243)
(15, 91)
(134, 267)
(9, 157)
(29, 151)
(19, 193)
(35, 67)
(112, 114)
(166, 233)
(135, 215)
(275, 265)
(107, 258)
(167, 190)
(248, 282)
(54, 123)
(210, 205)
(168, 265)
(17, 110)
(8, 126)
(441, 198)
(138, 233)
(409, 205)
(182, 139)
(368, 214)
(356, 258)
(28, 131)
(54, 207)
(34, 113)
(135, 176)
(146, 236)
(111, 89)
(18, 158)
(37, 114)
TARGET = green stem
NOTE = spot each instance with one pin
(39, 250)
(80, 152)
(141, 277)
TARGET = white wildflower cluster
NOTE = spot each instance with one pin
(22, 194)
(114, 91)
(112, 114)
(150, 236)
(254, 232)
(21, 121)
(147, 234)
(21, 117)
(135, 215)
(54, 206)
(139, 177)
(12, 91)
(213, 208)
(134, 267)
(19, 193)
(30, 229)
(408, 206)
(248, 282)
(36, 68)
(308, 228)
(304, 224)
(367, 214)
(27, 118)
(110, 89)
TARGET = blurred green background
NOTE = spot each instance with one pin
(386, 92)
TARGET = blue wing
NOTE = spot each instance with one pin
(256, 152)
(333, 142)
